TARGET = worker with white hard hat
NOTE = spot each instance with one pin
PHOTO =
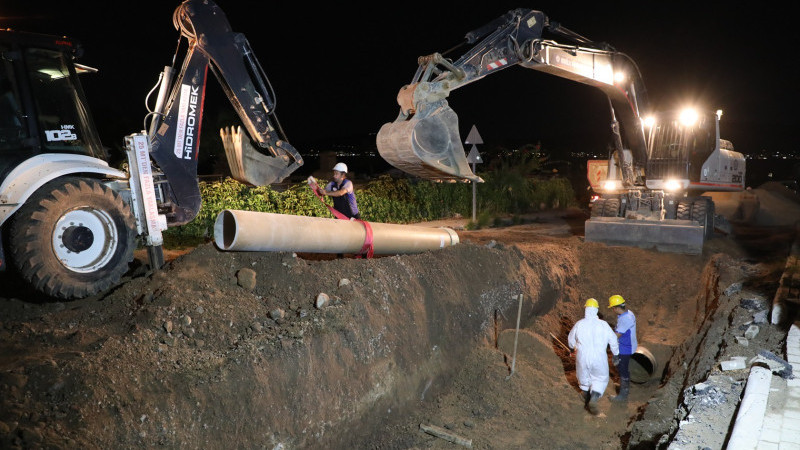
(590, 337)
(342, 192)
(626, 332)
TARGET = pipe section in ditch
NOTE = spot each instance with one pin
(236, 230)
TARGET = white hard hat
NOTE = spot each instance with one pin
(340, 167)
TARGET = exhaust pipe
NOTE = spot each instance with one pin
(267, 232)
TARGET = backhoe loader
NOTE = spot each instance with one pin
(70, 222)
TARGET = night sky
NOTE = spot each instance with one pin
(336, 70)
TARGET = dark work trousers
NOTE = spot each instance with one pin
(622, 367)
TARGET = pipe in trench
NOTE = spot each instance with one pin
(236, 230)
(643, 365)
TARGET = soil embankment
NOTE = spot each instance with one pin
(229, 350)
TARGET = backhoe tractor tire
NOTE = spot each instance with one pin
(611, 208)
(597, 207)
(74, 238)
(684, 211)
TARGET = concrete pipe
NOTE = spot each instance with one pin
(643, 365)
(255, 231)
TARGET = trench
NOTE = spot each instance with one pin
(661, 372)
(412, 339)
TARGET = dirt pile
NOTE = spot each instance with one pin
(229, 350)
(233, 344)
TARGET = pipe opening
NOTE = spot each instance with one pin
(225, 230)
(642, 366)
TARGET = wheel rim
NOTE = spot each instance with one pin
(84, 240)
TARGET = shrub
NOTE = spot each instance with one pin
(387, 200)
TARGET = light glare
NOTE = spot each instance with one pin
(688, 117)
(672, 185)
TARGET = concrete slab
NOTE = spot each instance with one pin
(752, 410)
(790, 437)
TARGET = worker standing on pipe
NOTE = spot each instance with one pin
(626, 332)
(590, 337)
(342, 192)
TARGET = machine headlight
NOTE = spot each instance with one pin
(610, 185)
(672, 185)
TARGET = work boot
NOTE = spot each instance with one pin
(593, 399)
(624, 389)
(585, 397)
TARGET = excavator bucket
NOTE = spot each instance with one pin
(250, 166)
(428, 147)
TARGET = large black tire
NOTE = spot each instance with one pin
(75, 237)
(597, 207)
(703, 213)
(684, 211)
(611, 208)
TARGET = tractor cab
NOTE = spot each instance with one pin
(42, 105)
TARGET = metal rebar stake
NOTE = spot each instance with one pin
(516, 337)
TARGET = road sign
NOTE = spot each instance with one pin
(474, 157)
(473, 137)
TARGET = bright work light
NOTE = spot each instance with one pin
(672, 185)
(688, 117)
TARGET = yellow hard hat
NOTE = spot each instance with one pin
(591, 302)
(615, 300)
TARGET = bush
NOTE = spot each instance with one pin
(506, 191)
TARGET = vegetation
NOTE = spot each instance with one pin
(509, 190)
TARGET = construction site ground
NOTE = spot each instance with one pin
(279, 350)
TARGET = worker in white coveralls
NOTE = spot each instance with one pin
(590, 337)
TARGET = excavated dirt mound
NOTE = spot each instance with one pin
(235, 350)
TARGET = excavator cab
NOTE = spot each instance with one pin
(686, 153)
(678, 143)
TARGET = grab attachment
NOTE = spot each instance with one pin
(248, 165)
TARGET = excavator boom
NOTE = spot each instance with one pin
(424, 140)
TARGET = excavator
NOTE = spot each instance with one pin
(660, 164)
(69, 221)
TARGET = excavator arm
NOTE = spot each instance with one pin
(175, 128)
(424, 139)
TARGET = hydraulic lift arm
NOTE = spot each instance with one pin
(424, 139)
(175, 129)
